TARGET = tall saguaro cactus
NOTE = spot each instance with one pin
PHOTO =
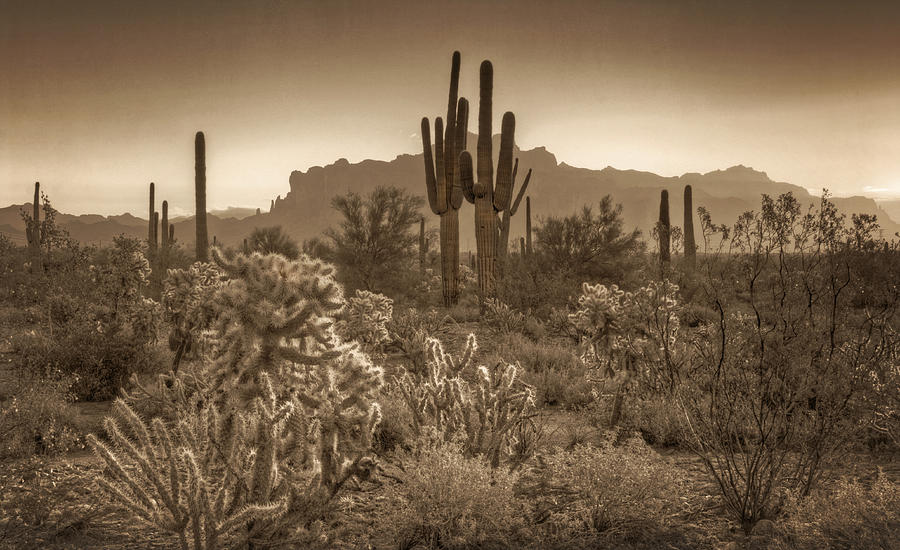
(151, 227)
(509, 211)
(489, 200)
(202, 242)
(164, 241)
(155, 222)
(664, 227)
(442, 180)
(690, 246)
(33, 231)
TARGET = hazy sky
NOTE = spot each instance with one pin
(98, 98)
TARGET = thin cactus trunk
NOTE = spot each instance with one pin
(151, 228)
(202, 240)
(690, 246)
(423, 248)
(165, 225)
(528, 246)
(505, 220)
(522, 247)
(33, 233)
(155, 241)
(171, 235)
(664, 227)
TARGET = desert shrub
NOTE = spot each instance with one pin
(395, 429)
(502, 318)
(659, 419)
(38, 419)
(483, 414)
(98, 357)
(778, 379)
(451, 500)
(558, 376)
(365, 319)
(849, 514)
(608, 492)
(467, 311)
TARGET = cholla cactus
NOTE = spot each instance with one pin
(188, 479)
(275, 321)
(187, 299)
(502, 317)
(482, 415)
(630, 336)
(365, 319)
(284, 416)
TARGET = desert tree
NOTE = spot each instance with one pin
(272, 240)
(375, 240)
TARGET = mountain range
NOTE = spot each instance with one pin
(556, 189)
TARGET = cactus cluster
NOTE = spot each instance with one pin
(483, 414)
(442, 179)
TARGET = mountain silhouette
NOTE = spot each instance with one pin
(556, 189)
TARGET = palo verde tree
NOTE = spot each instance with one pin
(272, 240)
(376, 239)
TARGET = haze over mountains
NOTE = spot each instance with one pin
(556, 189)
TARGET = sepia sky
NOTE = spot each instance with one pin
(98, 98)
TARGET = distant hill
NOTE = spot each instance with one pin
(556, 189)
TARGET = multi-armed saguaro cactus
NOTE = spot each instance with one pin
(442, 180)
(33, 230)
(202, 242)
(664, 228)
(690, 246)
(509, 210)
(489, 201)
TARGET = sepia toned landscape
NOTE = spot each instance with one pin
(394, 275)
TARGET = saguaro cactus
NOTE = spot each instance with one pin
(165, 225)
(489, 201)
(442, 180)
(508, 212)
(151, 227)
(522, 247)
(528, 246)
(690, 247)
(33, 231)
(155, 242)
(663, 228)
(202, 242)
(423, 246)
(171, 234)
